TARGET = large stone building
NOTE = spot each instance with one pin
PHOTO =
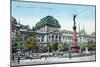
(48, 30)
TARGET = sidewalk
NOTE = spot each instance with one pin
(50, 60)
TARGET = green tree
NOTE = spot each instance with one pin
(50, 47)
(30, 44)
(60, 47)
(90, 45)
(67, 46)
(55, 46)
(33, 28)
(45, 49)
(15, 44)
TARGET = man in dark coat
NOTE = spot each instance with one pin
(13, 57)
(18, 59)
(70, 56)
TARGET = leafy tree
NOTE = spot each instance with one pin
(50, 45)
(30, 44)
(60, 47)
(33, 28)
(90, 45)
(67, 46)
(15, 44)
(45, 49)
(55, 46)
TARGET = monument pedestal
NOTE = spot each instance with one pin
(74, 48)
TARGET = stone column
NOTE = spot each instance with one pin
(49, 38)
(74, 48)
(54, 38)
(45, 38)
(57, 38)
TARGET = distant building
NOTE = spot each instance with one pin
(19, 31)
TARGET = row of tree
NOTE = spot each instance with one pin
(58, 46)
(31, 45)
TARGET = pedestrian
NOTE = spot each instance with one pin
(13, 57)
(70, 56)
(45, 57)
(40, 57)
(18, 60)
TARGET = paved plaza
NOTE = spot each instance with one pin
(51, 60)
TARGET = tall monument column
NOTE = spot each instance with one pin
(74, 48)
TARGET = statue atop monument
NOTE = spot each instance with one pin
(74, 48)
(74, 17)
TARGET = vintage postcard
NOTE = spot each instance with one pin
(52, 33)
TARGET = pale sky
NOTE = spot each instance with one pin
(31, 12)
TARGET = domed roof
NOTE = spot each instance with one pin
(13, 20)
(49, 21)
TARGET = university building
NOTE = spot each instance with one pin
(48, 30)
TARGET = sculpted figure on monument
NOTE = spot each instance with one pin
(74, 16)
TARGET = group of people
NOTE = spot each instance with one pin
(18, 59)
(45, 56)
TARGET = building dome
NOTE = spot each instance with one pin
(49, 21)
(13, 20)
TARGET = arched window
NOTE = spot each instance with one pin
(56, 37)
(42, 38)
(52, 37)
(59, 38)
(49, 37)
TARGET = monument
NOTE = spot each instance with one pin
(74, 48)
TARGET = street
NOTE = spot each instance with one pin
(50, 60)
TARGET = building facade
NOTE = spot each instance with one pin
(48, 30)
